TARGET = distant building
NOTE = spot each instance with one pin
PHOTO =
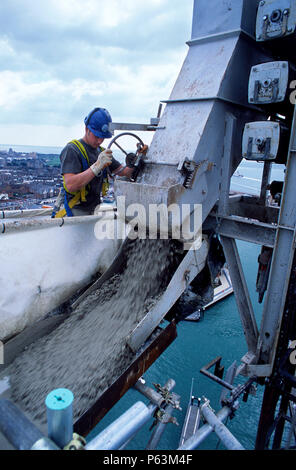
(27, 179)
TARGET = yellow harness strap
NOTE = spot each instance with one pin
(78, 195)
(71, 204)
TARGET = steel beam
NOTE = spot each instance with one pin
(241, 293)
(282, 375)
(216, 98)
(250, 207)
(226, 165)
(292, 427)
(282, 260)
(126, 126)
(265, 181)
(244, 229)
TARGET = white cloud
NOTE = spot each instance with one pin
(59, 59)
(15, 89)
(6, 50)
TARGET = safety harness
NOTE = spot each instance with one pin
(77, 196)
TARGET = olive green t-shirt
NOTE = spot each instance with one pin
(71, 162)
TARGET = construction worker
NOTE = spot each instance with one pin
(85, 165)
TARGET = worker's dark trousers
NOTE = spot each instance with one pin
(76, 211)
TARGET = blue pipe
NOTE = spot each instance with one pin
(60, 416)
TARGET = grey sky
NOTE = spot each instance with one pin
(61, 58)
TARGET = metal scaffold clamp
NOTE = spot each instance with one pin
(162, 414)
(77, 443)
(169, 398)
(205, 402)
(162, 417)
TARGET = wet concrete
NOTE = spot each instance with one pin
(88, 351)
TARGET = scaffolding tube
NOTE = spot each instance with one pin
(32, 213)
(19, 431)
(123, 428)
(159, 430)
(230, 442)
(152, 394)
(194, 441)
(23, 225)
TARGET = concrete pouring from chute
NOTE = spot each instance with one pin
(196, 148)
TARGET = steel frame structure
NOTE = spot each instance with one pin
(251, 219)
(234, 221)
(225, 47)
(208, 116)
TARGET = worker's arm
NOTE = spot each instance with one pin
(75, 182)
(123, 171)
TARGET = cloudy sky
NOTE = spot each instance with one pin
(61, 58)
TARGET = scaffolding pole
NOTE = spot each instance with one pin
(194, 441)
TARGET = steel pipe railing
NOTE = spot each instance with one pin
(19, 431)
(123, 428)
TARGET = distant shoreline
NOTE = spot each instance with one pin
(44, 150)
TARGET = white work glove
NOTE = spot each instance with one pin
(104, 160)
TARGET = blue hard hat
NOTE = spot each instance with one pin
(98, 122)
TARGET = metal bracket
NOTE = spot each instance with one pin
(274, 85)
(161, 417)
(263, 145)
(125, 126)
(283, 17)
(218, 373)
(260, 370)
(189, 169)
(77, 443)
(235, 392)
(169, 398)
